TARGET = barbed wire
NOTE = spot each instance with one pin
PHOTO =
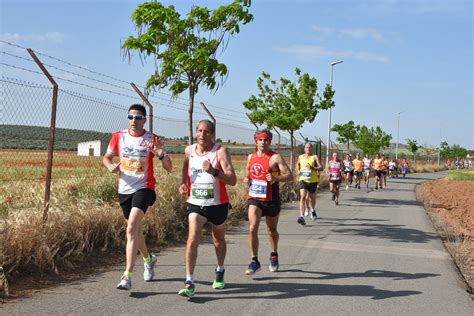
(116, 79)
(104, 82)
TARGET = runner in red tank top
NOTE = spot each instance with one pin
(265, 169)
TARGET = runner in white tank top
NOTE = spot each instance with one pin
(207, 168)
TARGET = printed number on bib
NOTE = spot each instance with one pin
(258, 189)
(306, 173)
(202, 191)
(130, 165)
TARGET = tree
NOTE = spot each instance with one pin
(445, 151)
(370, 141)
(185, 49)
(412, 147)
(458, 151)
(347, 132)
(287, 105)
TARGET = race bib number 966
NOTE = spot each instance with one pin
(202, 192)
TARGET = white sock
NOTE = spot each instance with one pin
(220, 268)
(189, 277)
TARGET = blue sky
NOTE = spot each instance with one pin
(411, 56)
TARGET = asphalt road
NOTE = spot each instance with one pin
(376, 253)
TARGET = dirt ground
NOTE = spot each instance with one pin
(451, 207)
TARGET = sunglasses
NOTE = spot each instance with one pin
(137, 117)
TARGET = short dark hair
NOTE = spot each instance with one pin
(138, 107)
(210, 124)
(265, 131)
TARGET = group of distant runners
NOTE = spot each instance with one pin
(348, 170)
(207, 170)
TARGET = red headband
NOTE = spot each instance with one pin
(262, 135)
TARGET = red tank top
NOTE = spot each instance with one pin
(259, 188)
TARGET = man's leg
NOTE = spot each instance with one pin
(196, 223)
(303, 197)
(218, 236)
(134, 224)
(272, 223)
(255, 214)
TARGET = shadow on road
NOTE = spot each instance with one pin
(383, 202)
(396, 233)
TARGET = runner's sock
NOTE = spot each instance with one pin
(274, 253)
(147, 259)
(220, 268)
(254, 258)
(189, 277)
(128, 274)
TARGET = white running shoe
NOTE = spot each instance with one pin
(125, 283)
(306, 212)
(314, 216)
(347, 187)
(149, 271)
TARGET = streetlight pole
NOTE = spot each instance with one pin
(398, 133)
(328, 145)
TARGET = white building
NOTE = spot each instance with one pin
(91, 148)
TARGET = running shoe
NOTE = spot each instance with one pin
(149, 271)
(347, 187)
(125, 283)
(254, 266)
(187, 290)
(314, 216)
(334, 196)
(301, 220)
(306, 212)
(219, 281)
(337, 202)
(273, 267)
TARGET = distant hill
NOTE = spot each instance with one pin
(37, 137)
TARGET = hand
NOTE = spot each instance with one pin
(157, 146)
(114, 167)
(183, 189)
(206, 166)
(269, 177)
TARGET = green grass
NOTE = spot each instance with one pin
(460, 175)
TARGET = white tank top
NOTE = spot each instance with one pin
(203, 188)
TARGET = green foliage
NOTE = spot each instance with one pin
(347, 132)
(184, 49)
(458, 151)
(37, 137)
(460, 175)
(412, 146)
(370, 141)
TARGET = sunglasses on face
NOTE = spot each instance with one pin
(137, 117)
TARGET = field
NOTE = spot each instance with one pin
(451, 206)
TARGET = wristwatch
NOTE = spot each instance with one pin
(216, 172)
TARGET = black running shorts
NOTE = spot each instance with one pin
(140, 199)
(309, 186)
(269, 208)
(215, 214)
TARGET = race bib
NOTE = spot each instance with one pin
(335, 176)
(132, 166)
(202, 191)
(258, 188)
(306, 173)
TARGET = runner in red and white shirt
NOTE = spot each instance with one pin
(265, 168)
(135, 148)
(207, 169)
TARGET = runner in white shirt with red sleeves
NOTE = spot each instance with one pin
(135, 148)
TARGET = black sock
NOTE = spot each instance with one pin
(274, 253)
(254, 258)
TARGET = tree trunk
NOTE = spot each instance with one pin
(190, 114)
(292, 155)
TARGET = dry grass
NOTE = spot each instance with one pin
(85, 218)
(425, 167)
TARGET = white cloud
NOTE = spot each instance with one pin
(309, 52)
(355, 33)
(55, 37)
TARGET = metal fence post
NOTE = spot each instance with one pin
(212, 118)
(150, 107)
(52, 132)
